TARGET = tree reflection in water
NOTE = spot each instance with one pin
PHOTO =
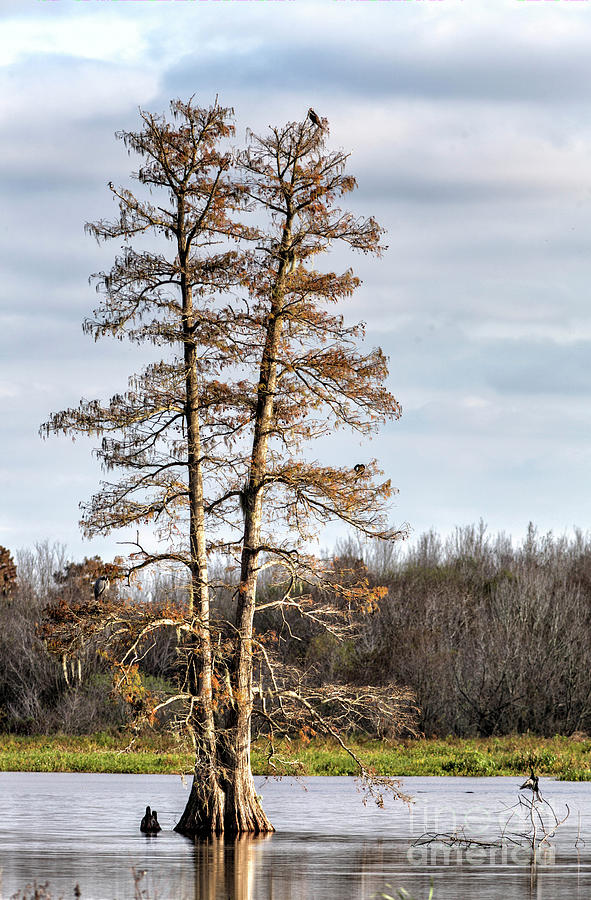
(225, 869)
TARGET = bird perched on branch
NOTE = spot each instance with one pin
(314, 118)
(359, 469)
(532, 784)
(101, 585)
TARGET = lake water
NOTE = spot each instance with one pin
(69, 829)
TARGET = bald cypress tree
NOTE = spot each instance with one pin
(212, 442)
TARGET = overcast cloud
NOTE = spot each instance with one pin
(470, 137)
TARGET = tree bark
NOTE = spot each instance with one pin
(204, 812)
(244, 812)
(240, 811)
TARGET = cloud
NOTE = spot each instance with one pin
(539, 367)
(48, 92)
(474, 62)
(470, 140)
(88, 37)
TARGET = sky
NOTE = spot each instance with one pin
(469, 129)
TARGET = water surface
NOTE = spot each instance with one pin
(73, 829)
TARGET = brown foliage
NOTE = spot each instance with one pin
(35, 695)
(7, 573)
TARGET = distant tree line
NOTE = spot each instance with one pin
(493, 638)
(490, 637)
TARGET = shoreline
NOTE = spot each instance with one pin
(564, 758)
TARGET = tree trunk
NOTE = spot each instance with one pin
(223, 796)
(232, 808)
(204, 812)
(244, 813)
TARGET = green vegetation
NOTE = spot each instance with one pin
(567, 759)
(564, 758)
(93, 753)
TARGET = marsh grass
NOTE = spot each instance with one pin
(156, 754)
(567, 759)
